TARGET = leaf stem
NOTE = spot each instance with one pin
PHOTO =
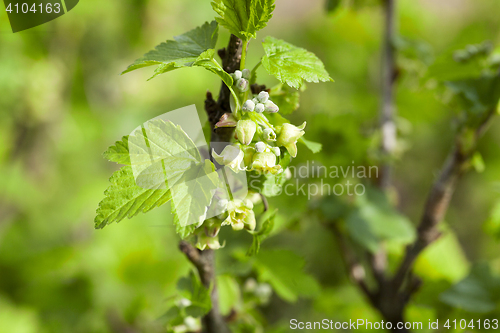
(244, 54)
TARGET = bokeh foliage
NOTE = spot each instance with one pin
(62, 103)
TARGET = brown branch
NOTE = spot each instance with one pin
(204, 261)
(438, 200)
(387, 112)
(354, 268)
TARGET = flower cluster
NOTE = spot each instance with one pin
(258, 141)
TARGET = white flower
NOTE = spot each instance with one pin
(289, 135)
(276, 151)
(231, 156)
(269, 134)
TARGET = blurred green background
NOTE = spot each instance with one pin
(63, 102)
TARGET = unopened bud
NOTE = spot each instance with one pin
(246, 74)
(237, 75)
(263, 96)
(248, 106)
(260, 147)
(271, 107)
(245, 130)
(242, 85)
(276, 151)
(259, 108)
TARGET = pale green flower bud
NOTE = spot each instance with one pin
(248, 152)
(231, 156)
(237, 75)
(250, 222)
(255, 100)
(269, 134)
(260, 147)
(263, 96)
(276, 151)
(271, 107)
(245, 130)
(237, 225)
(259, 108)
(242, 85)
(248, 106)
(266, 162)
(191, 323)
(289, 135)
(246, 74)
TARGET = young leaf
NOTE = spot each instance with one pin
(125, 199)
(243, 18)
(183, 51)
(265, 230)
(315, 147)
(119, 152)
(206, 60)
(283, 270)
(287, 99)
(292, 65)
(190, 199)
(192, 289)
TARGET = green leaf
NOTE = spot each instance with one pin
(206, 60)
(477, 95)
(165, 164)
(443, 260)
(283, 270)
(183, 51)
(375, 220)
(492, 224)
(119, 152)
(243, 18)
(125, 199)
(286, 98)
(267, 225)
(229, 293)
(332, 5)
(315, 147)
(190, 199)
(192, 289)
(477, 293)
(292, 65)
